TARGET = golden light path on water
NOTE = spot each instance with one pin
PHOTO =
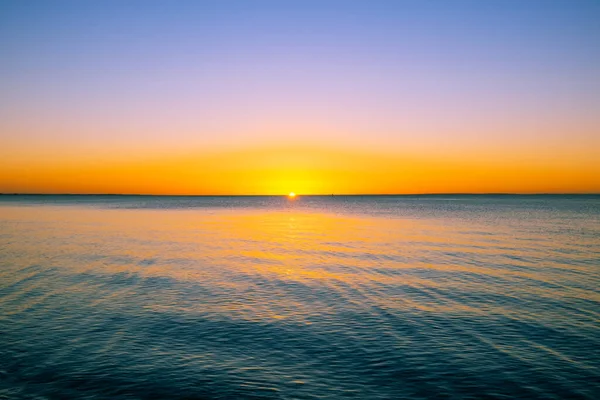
(338, 295)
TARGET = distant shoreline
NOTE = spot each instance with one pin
(300, 195)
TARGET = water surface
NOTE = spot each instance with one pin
(366, 297)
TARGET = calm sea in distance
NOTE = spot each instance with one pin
(321, 297)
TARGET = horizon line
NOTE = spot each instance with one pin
(311, 195)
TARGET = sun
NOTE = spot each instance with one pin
(291, 195)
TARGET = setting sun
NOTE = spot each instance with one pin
(446, 153)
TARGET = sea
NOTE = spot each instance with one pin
(317, 297)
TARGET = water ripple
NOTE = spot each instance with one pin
(366, 298)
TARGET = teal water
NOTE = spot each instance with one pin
(366, 297)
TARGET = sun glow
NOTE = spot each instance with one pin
(291, 195)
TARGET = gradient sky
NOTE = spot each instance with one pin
(267, 97)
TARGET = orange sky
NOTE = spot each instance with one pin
(314, 97)
(302, 169)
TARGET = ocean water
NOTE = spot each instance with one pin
(364, 297)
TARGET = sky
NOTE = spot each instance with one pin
(314, 97)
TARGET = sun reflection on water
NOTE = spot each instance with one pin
(365, 281)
